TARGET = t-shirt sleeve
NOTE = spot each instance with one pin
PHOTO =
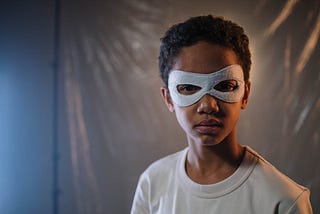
(140, 203)
(301, 205)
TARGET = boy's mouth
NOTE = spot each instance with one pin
(208, 126)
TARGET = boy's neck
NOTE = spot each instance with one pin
(212, 164)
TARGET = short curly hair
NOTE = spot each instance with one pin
(211, 29)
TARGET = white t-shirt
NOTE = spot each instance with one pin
(255, 187)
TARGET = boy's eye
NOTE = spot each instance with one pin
(187, 89)
(227, 86)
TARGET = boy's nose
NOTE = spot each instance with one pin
(208, 104)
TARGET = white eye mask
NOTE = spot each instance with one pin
(207, 83)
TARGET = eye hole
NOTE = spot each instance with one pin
(187, 89)
(227, 86)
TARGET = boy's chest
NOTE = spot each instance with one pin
(176, 200)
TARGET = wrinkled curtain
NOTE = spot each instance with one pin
(117, 124)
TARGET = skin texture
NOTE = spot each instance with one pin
(214, 153)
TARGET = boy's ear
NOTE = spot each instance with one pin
(245, 98)
(167, 99)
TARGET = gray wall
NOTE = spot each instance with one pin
(112, 122)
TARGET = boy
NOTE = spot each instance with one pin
(204, 64)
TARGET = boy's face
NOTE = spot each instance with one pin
(209, 121)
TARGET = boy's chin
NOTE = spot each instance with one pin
(211, 144)
(208, 140)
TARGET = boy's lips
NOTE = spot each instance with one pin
(208, 126)
(209, 122)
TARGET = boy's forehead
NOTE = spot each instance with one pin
(204, 57)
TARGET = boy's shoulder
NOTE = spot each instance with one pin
(165, 165)
(163, 171)
(269, 179)
(272, 186)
